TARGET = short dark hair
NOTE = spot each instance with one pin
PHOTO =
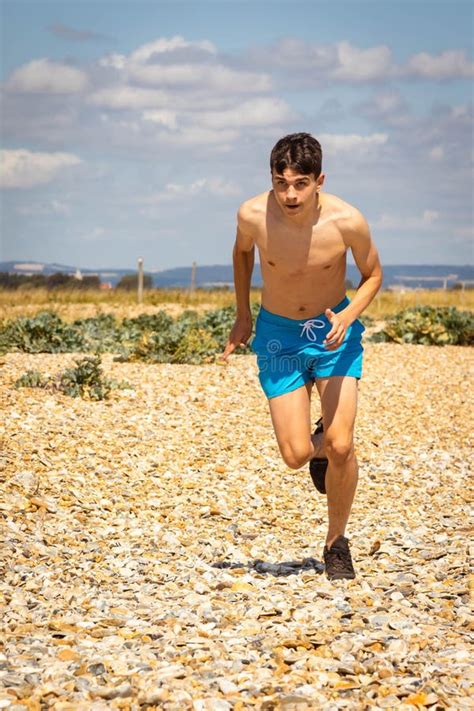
(297, 151)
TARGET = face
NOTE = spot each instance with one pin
(295, 192)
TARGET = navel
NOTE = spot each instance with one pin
(328, 266)
(272, 264)
(302, 308)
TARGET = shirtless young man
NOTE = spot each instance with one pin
(307, 330)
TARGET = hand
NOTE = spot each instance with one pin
(338, 331)
(239, 336)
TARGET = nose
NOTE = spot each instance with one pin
(291, 192)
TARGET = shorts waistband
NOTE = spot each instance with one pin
(270, 317)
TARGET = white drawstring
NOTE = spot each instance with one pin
(308, 328)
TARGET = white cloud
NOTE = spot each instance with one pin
(129, 97)
(354, 64)
(388, 107)
(388, 103)
(131, 127)
(164, 118)
(197, 136)
(161, 127)
(309, 63)
(406, 223)
(114, 61)
(217, 187)
(263, 111)
(298, 54)
(150, 50)
(46, 77)
(314, 63)
(163, 45)
(24, 169)
(451, 64)
(175, 63)
(335, 143)
(211, 76)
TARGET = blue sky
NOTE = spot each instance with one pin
(138, 128)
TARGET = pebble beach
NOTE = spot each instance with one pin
(135, 533)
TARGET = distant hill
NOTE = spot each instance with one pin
(221, 274)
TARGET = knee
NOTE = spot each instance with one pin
(339, 449)
(295, 456)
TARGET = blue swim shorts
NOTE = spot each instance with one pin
(290, 352)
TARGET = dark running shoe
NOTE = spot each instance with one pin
(317, 467)
(338, 560)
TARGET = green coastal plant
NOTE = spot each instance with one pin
(43, 333)
(195, 338)
(32, 379)
(100, 334)
(86, 380)
(429, 325)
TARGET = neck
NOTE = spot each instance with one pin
(308, 216)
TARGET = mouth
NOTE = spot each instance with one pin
(291, 207)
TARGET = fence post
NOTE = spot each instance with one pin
(193, 278)
(140, 280)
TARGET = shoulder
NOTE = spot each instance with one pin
(252, 211)
(250, 218)
(349, 219)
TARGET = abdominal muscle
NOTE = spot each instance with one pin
(304, 294)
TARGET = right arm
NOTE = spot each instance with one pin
(243, 258)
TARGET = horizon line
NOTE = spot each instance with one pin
(229, 264)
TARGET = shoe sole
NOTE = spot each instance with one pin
(318, 467)
(317, 470)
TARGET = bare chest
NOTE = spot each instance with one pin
(296, 254)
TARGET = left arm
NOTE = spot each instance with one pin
(357, 237)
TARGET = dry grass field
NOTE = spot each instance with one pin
(115, 513)
(76, 304)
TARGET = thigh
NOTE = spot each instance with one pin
(338, 403)
(291, 416)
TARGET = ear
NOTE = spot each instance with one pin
(320, 182)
